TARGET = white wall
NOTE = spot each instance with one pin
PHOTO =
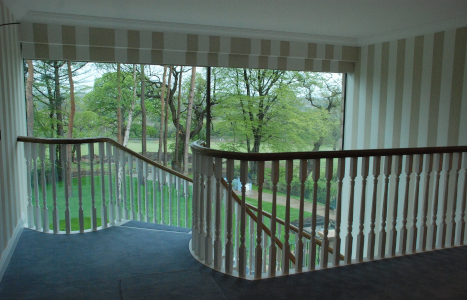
(12, 124)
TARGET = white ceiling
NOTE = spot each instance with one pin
(340, 21)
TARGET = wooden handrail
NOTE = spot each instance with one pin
(99, 140)
(197, 147)
(294, 228)
(254, 217)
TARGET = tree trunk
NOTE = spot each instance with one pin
(130, 112)
(58, 109)
(188, 119)
(143, 111)
(166, 121)
(29, 100)
(119, 107)
(177, 127)
(71, 119)
(161, 127)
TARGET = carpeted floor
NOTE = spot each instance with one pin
(147, 261)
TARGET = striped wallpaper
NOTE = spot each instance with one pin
(409, 93)
(60, 42)
(12, 123)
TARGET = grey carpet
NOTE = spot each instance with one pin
(103, 264)
(137, 224)
(188, 285)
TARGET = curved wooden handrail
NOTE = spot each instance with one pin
(293, 227)
(197, 147)
(98, 140)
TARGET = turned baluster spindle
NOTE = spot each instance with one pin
(371, 234)
(146, 191)
(67, 188)
(464, 200)
(218, 216)
(195, 203)
(315, 168)
(251, 235)
(202, 191)
(393, 232)
(104, 206)
(154, 195)
(208, 240)
(457, 163)
(340, 177)
(302, 177)
(325, 244)
(418, 167)
(28, 157)
(37, 208)
(272, 247)
(242, 248)
(382, 235)
(424, 227)
(169, 189)
(447, 172)
(286, 248)
(403, 235)
(349, 237)
(259, 222)
(361, 236)
(178, 189)
(438, 166)
(132, 191)
(93, 189)
(138, 184)
(80, 189)
(118, 190)
(111, 207)
(45, 211)
(123, 160)
(162, 184)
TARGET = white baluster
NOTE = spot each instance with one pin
(178, 188)
(195, 204)
(299, 245)
(237, 234)
(403, 235)
(340, 177)
(418, 167)
(382, 234)
(242, 248)
(457, 163)
(424, 228)
(45, 211)
(140, 180)
(55, 215)
(80, 189)
(170, 184)
(123, 161)
(93, 189)
(372, 235)
(37, 210)
(349, 237)
(104, 219)
(111, 195)
(132, 190)
(27, 156)
(202, 234)
(438, 166)
(229, 214)
(286, 246)
(272, 247)
(325, 244)
(279, 250)
(464, 201)
(154, 195)
(186, 189)
(447, 170)
(316, 173)
(217, 232)
(360, 236)
(393, 231)
(162, 187)
(259, 221)
(146, 190)
(208, 240)
(250, 248)
(118, 191)
(67, 194)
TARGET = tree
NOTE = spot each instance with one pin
(177, 122)
(71, 118)
(132, 109)
(29, 99)
(143, 111)
(166, 120)
(119, 106)
(161, 129)
(188, 118)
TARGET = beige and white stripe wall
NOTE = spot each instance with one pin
(59, 42)
(409, 93)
